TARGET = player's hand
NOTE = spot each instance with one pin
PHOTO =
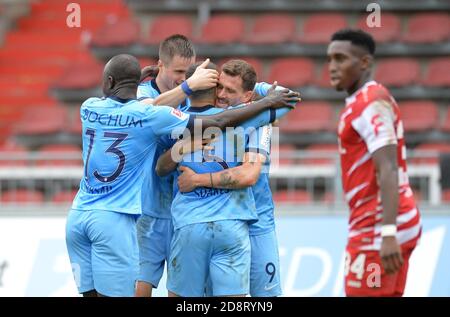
(203, 78)
(282, 98)
(391, 255)
(186, 146)
(186, 179)
(149, 71)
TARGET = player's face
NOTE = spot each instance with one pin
(230, 91)
(344, 65)
(174, 73)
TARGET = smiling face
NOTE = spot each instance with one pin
(173, 73)
(346, 64)
(230, 91)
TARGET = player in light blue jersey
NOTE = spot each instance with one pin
(214, 221)
(237, 85)
(119, 142)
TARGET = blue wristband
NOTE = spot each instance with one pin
(185, 87)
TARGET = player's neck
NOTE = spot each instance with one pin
(201, 103)
(124, 93)
(359, 83)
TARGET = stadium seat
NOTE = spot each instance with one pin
(308, 117)
(10, 148)
(292, 72)
(445, 126)
(285, 154)
(323, 79)
(222, 29)
(256, 63)
(318, 28)
(80, 75)
(436, 148)
(318, 150)
(73, 151)
(120, 33)
(419, 116)
(295, 196)
(64, 196)
(22, 196)
(428, 28)
(164, 26)
(272, 29)
(438, 73)
(42, 120)
(389, 31)
(398, 72)
(446, 195)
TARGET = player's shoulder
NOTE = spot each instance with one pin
(92, 101)
(367, 95)
(147, 89)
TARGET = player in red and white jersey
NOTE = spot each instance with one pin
(384, 221)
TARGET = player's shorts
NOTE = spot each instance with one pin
(364, 278)
(103, 251)
(154, 236)
(265, 265)
(217, 250)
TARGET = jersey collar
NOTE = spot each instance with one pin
(118, 99)
(155, 86)
(350, 99)
(200, 109)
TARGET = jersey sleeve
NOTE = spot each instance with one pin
(145, 90)
(169, 121)
(259, 140)
(375, 125)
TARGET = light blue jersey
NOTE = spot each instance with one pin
(119, 142)
(157, 191)
(210, 204)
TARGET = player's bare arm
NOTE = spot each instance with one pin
(238, 177)
(385, 160)
(201, 79)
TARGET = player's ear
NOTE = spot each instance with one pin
(248, 96)
(111, 82)
(160, 64)
(366, 61)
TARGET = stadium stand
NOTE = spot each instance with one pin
(47, 69)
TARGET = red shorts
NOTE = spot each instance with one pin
(365, 276)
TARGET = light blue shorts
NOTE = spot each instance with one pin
(103, 251)
(154, 236)
(217, 250)
(265, 266)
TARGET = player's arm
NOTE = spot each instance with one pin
(168, 161)
(201, 79)
(238, 177)
(385, 160)
(279, 100)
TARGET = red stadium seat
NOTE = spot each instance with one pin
(436, 148)
(318, 28)
(325, 149)
(272, 29)
(438, 73)
(81, 75)
(11, 148)
(398, 72)
(284, 153)
(446, 195)
(222, 29)
(446, 123)
(64, 197)
(256, 63)
(164, 26)
(428, 28)
(295, 196)
(308, 117)
(120, 33)
(419, 116)
(61, 149)
(324, 77)
(389, 31)
(42, 120)
(22, 196)
(292, 72)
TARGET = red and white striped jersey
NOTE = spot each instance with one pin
(370, 121)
